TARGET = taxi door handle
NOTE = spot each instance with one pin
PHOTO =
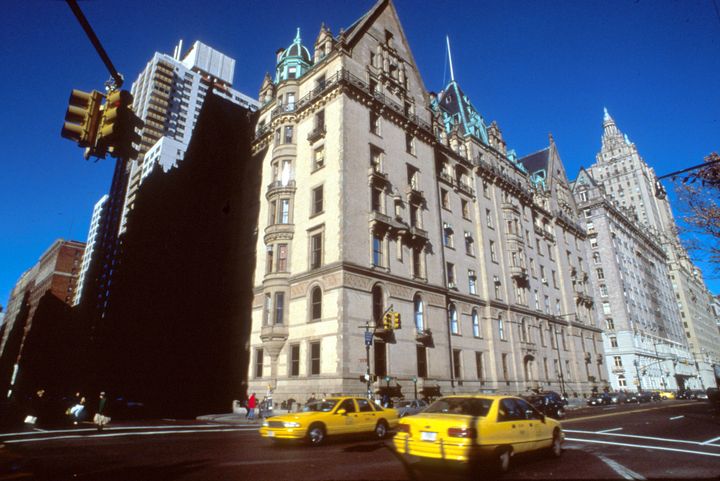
(513, 426)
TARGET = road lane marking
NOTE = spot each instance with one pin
(112, 428)
(620, 469)
(697, 443)
(117, 435)
(620, 413)
(609, 430)
(711, 441)
(660, 448)
(676, 417)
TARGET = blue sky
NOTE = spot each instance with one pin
(534, 66)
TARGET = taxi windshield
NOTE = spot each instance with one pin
(323, 406)
(461, 405)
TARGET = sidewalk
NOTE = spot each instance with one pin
(237, 418)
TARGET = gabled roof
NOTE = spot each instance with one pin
(458, 110)
(354, 32)
(537, 161)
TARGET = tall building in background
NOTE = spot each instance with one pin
(97, 221)
(56, 275)
(643, 335)
(167, 96)
(381, 196)
(629, 182)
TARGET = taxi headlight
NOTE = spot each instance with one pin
(291, 425)
(265, 424)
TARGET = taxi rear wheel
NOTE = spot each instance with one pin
(381, 429)
(316, 434)
(502, 461)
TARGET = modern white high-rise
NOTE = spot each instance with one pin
(167, 96)
(629, 184)
(95, 228)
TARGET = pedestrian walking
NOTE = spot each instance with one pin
(251, 404)
(77, 412)
(101, 418)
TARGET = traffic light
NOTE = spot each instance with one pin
(396, 320)
(117, 133)
(82, 119)
(387, 321)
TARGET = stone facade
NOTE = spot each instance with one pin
(380, 195)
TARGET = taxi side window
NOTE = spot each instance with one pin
(348, 405)
(364, 406)
(526, 409)
(509, 411)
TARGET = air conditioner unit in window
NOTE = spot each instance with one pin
(544, 281)
(451, 285)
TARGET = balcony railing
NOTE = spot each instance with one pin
(317, 133)
(463, 187)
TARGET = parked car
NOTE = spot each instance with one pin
(618, 397)
(700, 395)
(667, 394)
(685, 394)
(639, 397)
(409, 407)
(599, 399)
(655, 396)
(713, 396)
(330, 417)
(483, 430)
(549, 403)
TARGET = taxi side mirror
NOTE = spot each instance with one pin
(341, 412)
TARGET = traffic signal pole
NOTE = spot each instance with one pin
(368, 342)
(117, 77)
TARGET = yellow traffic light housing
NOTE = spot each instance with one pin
(387, 321)
(82, 119)
(396, 320)
(117, 132)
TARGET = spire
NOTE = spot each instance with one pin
(297, 37)
(452, 73)
(609, 127)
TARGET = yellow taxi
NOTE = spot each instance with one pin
(329, 417)
(477, 428)
(667, 395)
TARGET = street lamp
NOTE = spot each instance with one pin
(637, 373)
(662, 378)
(559, 359)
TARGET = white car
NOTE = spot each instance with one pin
(410, 406)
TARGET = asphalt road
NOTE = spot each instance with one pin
(671, 440)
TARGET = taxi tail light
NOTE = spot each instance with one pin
(403, 428)
(469, 433)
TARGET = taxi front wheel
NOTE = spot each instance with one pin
(381, 429)
(556, 447)
(316, 434)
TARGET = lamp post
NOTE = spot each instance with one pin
(662, 378)
(637, 373)
(557, 347)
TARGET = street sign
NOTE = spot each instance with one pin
(368, 338)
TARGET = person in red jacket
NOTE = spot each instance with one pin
(251, 404)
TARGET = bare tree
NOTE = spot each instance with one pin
(699, 195)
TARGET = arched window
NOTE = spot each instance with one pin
(452, 314)
(475, 323)
(316, 304)
(419, 316)
(378, 304)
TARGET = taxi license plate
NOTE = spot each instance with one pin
(271, 434)
(428, 436)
